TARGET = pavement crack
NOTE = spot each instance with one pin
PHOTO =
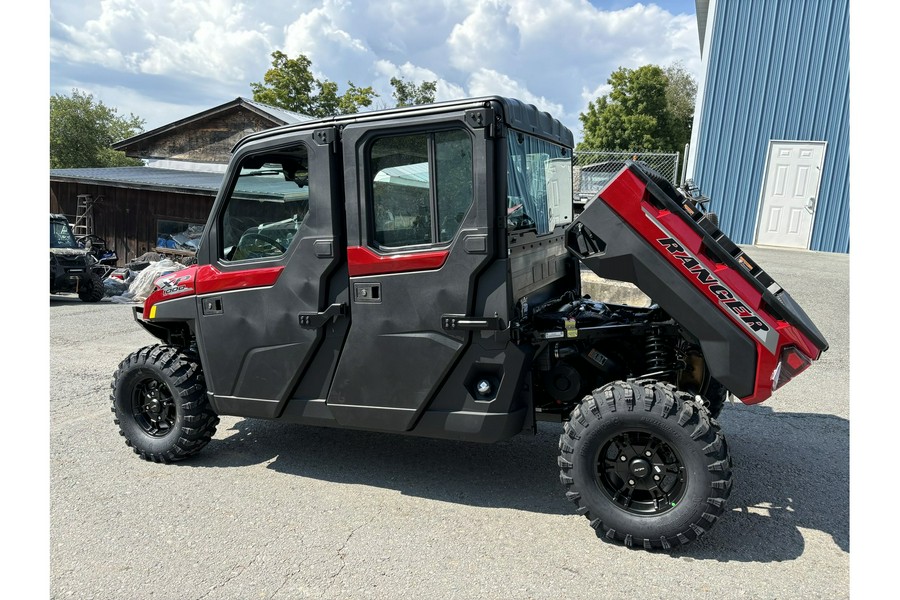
(343, 555)
(289, 577)
(231, 578)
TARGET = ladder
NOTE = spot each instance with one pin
(84, 216)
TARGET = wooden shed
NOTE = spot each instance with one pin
(136, 208)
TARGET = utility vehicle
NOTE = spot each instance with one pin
(417, 271)
(71, 265)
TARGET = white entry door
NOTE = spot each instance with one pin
(790, 194)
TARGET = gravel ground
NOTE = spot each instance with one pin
(272, 510)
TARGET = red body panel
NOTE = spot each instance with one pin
(726, 288)
(207, 279)
(362, 261)
(211, 280)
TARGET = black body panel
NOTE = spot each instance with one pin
(397, 353)
(541, 267)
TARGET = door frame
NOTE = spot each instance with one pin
(765, 179)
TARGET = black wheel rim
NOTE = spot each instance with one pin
(153, 407)
(641, 473)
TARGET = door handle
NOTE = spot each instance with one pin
(811, 205)
(320, 319)
(211, 306)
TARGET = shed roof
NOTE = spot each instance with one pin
(145, 178)
(288, 116)
(278, 116)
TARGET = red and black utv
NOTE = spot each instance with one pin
(417, 271)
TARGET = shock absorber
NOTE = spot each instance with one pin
(657, 352)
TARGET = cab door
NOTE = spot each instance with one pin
(418, 236)
(268, 293)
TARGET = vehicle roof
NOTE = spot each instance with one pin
(516, 114)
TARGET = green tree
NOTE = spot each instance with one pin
(83, 129)
(648, 108)
(407, 93)
(681, 97)
(290, 84)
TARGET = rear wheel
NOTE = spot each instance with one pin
(159, 399)
(646, 464)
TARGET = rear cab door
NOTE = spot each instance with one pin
(417, 231)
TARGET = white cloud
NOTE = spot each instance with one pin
(320, 35)
(407, 71)
(556, 54)
(588, 95)
(484, 38)
(444, 90)
(204, 38)
(487, 82)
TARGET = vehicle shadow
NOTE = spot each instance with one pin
(520, 473)
(791, 472)
(73, 299)
(64, 299)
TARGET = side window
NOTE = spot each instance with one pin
(453, 158)
(422, 187)
(267, 205)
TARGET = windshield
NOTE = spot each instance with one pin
(539, 184)
(61, 236)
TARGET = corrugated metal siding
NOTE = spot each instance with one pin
(778, 70)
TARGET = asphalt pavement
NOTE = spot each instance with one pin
(272, 510)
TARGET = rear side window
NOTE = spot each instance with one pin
(539, 183)
(422, 187)
(267, 205)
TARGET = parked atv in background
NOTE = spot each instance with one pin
(72, 267)
(418, 271)
(96, 247)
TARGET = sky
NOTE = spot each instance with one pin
(169, 59)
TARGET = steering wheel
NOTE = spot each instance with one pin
(261, 238)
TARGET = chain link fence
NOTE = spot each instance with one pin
(591, 170)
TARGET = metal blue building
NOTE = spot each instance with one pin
(771, 137)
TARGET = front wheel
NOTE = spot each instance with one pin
(91, 290)
(646, 464)
(160, 404)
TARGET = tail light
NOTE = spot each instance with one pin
(792, 363)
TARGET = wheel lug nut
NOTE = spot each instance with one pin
(631, 482)
(623, 458)
(648, 453)
(656, 478)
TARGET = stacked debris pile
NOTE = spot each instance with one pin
(132, 285)
(189, 239)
